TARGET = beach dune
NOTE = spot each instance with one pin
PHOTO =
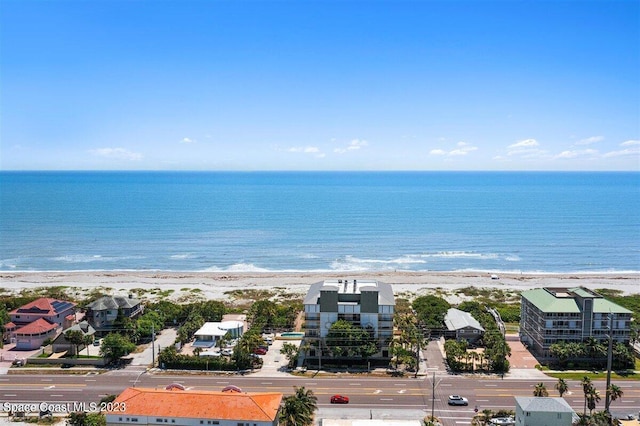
(221, 286)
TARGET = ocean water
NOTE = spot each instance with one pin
(320, 221)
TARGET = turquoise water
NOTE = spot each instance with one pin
(320, 221)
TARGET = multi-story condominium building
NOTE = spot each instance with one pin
(364, 303)
(549, 315)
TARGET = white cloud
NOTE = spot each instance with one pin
(463, 148)
(306, 150)
(589, 141)
(631, 147)
(527, 148)
(577, 153)
(117, 154)
(527, 143)
(354, 145)
(187, 140)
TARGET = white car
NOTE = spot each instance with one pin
(458, 400)
(227, 351)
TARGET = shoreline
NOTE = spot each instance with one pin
(152, 285)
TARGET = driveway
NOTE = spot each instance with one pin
(274, 363)
(145, 358)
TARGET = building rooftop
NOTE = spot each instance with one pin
(44, 306)
(113, 302)
(38, 326)
(457, 319)
(218, 328)
(564, 300)
(385, 292)
(543, 404)
(258, 406)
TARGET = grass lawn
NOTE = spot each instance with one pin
(600, 375)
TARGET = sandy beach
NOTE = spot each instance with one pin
(184, 286)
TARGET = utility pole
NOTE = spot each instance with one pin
(433, 394)
(153, 345)
(609, 361)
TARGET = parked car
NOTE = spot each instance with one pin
(260, 351)
(458, 400)
(227, 352)
(18, 362)
(339, 399)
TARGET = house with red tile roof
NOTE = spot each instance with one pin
(175, 406)
(31, 324)
(33, 335)
(56, 311)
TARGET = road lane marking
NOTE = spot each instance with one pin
(446, 384)
(355, 384)
(47, 380)
(482, 400)
(10, 394)
(56, 395)
(386, 399)
(89, 380)
(266, 383)
(491, 385)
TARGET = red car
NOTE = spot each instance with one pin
(339, 399)
(260, 351)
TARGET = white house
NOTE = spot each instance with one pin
(543, 411)
(209, 334)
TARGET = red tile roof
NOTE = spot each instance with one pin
(36, 327)
(258, 406)
(44, 305)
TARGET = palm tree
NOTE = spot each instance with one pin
(586, 386)
(593, 397)
(614, 392)
(562, 387)
(307, 398)
(299, 408)
(540, 390)
(291, 413)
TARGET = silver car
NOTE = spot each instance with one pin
(458, 400)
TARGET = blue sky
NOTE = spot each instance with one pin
(320, 85)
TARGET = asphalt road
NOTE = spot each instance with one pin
(368, 395)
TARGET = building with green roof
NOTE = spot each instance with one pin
(553, 314)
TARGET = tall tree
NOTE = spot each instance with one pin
(115, 346)
(76, 338)
(593, 397)
(298, 409)
(562, 387)
(586, 386)
(614, 392)
(540, 390)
